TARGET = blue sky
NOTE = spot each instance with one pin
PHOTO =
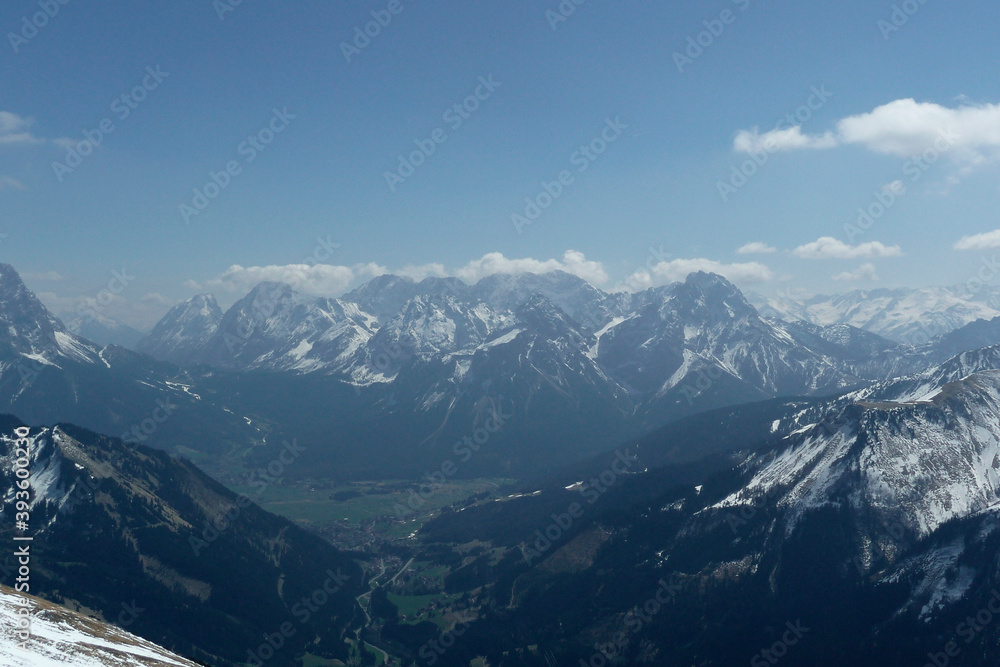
(645, 211)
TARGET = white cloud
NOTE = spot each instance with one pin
(982, 241)
(8, 183)
(418, 273)
(677, 270)
(330, 280)
(573, 262)
(756, 248)
(138, 313)
(897, 188)
(905, 127)
(327, 280)
(318, 279)
(751, 141)
(14, 129)
(157, 299)
(865, 272)
(368, 270)
(63, 305)
(827, 247)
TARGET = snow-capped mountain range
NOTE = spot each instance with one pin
(674, 349)
(912, 316)
(402, 367)
(646, 344)
(104, 330)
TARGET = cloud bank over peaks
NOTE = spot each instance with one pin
(335, 280)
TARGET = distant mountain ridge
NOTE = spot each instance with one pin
(273, 328)
(912, 316)
(391, 391)
(105, 331)
(673, 350)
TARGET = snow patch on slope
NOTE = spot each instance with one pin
(61, 638)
